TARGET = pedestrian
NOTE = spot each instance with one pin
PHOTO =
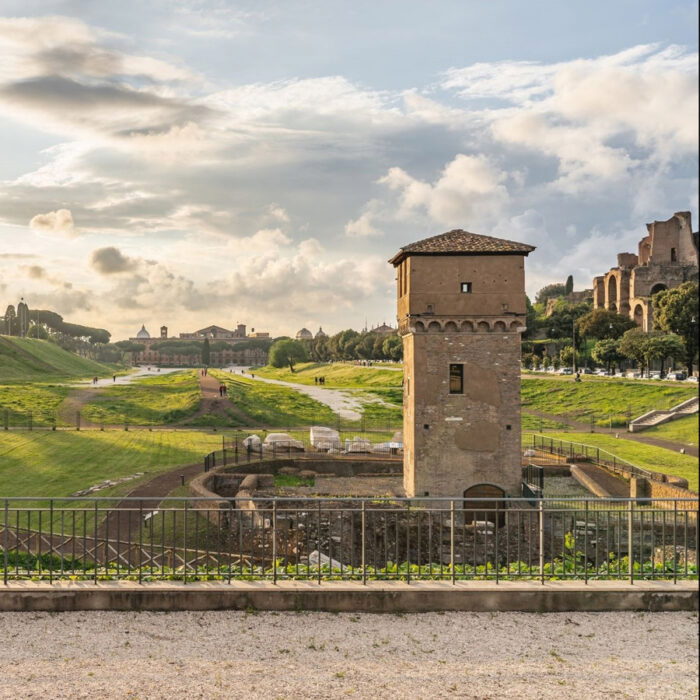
(114, 377)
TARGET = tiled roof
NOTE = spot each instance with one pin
(460, 242)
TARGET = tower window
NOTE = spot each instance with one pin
(456, 379)
(466, 287)
(674, 257)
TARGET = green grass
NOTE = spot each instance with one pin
(656, 459)
(683, 430)
(27, 359)
(537, 424)
(603, 399)
(41, 400)
(274, 406)
(55, 464)
(337, 374)
(151, 401)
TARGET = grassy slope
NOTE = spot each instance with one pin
(683, 430)
(656, 459)
(26, 359)
(274, 405)
(150, 401)
(338, 375)
(603, 398)
(42, 400)
(59, 463)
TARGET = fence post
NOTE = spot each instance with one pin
(274, 542)
(235, 450)
(630, 540)
(6, 544)
(224, 451)
(452, 539)
(364, 543)
(77, 420)
(540, 508)
(30, 421)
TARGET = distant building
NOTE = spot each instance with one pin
(572, 298)
(217, 332)
(229, 347)
(304, 334)
(320, 333)
(384, 329)
(666, 257)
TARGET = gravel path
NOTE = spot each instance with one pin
(321, 655)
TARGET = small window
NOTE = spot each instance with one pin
(673, 255)
(456, 379)
(466, 287)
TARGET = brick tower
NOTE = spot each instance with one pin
(461, 310)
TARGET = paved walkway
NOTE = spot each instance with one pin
(636, 437)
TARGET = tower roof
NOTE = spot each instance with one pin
(459, 242)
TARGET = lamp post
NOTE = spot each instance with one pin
(573, 343)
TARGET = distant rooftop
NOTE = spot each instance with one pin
(459, 242)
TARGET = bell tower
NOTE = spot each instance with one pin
(461, 310)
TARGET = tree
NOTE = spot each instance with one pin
(129, 346)
(566, 355)
(633, 345)
(206, 352)
(527, 360)
(546, 362)
(607, 352)
(560, 323)
(602, 324)
(569, 286)
(550, 291)
(393, 348)
(37, 331)
(663, 346)
(532, 323)
(287, 352)
(676, 311)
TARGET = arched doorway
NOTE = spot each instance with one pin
(491, 510)
(612, 292)
(660, 287)
(639, 315)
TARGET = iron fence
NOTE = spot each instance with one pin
(274, 539)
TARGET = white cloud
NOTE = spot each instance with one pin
(469, 192)
(59, 222)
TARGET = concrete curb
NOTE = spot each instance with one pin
(374, 597)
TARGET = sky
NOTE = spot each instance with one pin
(189, 162)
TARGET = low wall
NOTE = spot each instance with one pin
(373, 597)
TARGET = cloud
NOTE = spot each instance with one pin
(365, 224)
(35, 272)
(110, 260)
(59, 222)
(469, 192)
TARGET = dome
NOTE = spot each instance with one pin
(320, 333)
(304, 334)
(143, 333)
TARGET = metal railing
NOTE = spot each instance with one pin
(274, 539)
(587, 453)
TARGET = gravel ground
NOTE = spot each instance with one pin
(322, 655)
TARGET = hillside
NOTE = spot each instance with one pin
(28, 359)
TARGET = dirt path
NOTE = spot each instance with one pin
(636, 437)
(213, 404)
(152, 492)
(73, 404)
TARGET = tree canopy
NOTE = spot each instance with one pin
(676, 311)
(287, 352)
(601, 324)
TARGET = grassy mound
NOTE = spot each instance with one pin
(683, 430)
(608, 402)
(151, 401)
(28, 359)
(338, 375)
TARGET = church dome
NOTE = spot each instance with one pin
(321, 333)
(304, 334)
(143, 333)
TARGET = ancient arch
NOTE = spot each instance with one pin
(491, 510)
(639, 315)
(514, 325)
(658, 287)
(612, 292)
(467, 326)
(483, 326)
(499, 326)
(451, 327)
(420, 327)
(434, 327)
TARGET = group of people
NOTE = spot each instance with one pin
(319, 380)
(204, 372)
(223, 390)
